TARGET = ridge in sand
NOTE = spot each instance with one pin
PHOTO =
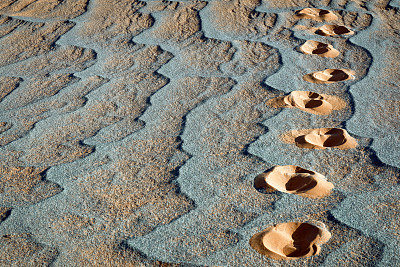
(294, 180)
(329, 76)
(290, 241)
(315, 14)
(310, 102)
(168, 133)
(320, 138)
(318, 48)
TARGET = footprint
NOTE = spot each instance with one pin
(332, 30)
(320, 138)
(294, 180)
(290, 241)
(317, 48)
(329, 76)
(315, 14)
(310, 102)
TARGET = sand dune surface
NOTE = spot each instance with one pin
(137, 133)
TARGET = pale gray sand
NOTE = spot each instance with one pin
(131, 132)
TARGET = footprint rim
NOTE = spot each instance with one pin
(326, 77)
(278, 178)
(331, 30)
(342, 139)
(258, 240)
(316, 14)
(302, 100)
(310, 46)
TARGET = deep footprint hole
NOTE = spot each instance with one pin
(323, 12)
(300, 183)
(341, 30)
(314, 103)
(321, 48)
(338, 75)
(334, 140)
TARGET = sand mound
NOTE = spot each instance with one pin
(310, 102)
(317, 48)
(315, 14)
(294, 180)
(329, 76)
(292, 240)
(332, 30)
(320, 138)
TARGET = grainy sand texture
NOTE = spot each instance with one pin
(200, 133)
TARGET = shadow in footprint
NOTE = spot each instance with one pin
(4, 213)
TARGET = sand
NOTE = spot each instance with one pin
(132, 133)
(329, 76)
(315, 14)
(320, 138)
(333, 30)
(291, 240)
(310, 102)
(294, 180)
(318, 48)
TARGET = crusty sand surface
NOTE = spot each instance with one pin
(132, 132)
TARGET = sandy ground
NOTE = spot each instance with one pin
(131, 132)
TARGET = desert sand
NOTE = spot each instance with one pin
(294, 180)
(318, 48)
(333, 30)
(320, 138)
(290, 241)
(132, 133)
(329, 76)
(310, 102)
(315, 14)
